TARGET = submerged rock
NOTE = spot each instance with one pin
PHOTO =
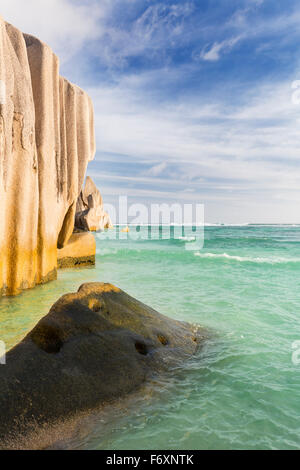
(93, 347)
(80, 251)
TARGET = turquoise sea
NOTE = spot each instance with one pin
(242, 390)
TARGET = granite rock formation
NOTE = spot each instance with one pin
(93, 347)
(46, 142)
(90, 213)
(79, 252)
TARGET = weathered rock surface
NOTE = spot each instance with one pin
(93, 347)
(90, 213)
(80, 251)
(46, 142)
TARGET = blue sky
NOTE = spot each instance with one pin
(193, 99)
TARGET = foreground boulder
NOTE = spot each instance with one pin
(92, 348)
(90, 213)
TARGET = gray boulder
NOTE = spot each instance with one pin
(92, 348)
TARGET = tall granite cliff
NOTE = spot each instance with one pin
(46, 142)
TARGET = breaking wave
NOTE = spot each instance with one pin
(247, 259)
(187, 239)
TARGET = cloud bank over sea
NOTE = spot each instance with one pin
(193, 100)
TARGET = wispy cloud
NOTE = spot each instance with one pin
(249, 143)
(64, 24)
(213, 53)
(156, 28)
(157, 170)
(174, 121)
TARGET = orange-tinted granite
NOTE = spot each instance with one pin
(80, 251)
(90, 213)
(46, 142)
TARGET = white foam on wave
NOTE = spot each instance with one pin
(187, 239)
(106, 251)
(251, 225)
(226, 225)
(246, 258)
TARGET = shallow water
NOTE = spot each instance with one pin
(242, 390)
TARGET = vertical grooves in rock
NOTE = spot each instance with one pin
(46, 142)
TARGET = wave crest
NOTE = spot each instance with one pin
(225, 256)
(187, 239)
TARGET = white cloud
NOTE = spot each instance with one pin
(243, 153)
(157, 170)
(62, 24)
(247, 27)
(66, 25)
(213, 53)
(157, 27)
(212, 151)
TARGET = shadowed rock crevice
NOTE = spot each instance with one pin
(67, 227)
(141, 348)
(163, 340)
(79, 358)
(48, 339)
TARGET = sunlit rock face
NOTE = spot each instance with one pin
(46, 141)
(80, 251)
(90, 213)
